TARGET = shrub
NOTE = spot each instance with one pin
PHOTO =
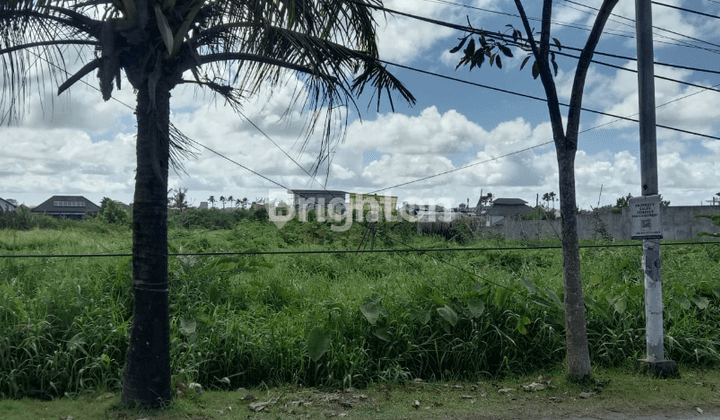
(113, 213)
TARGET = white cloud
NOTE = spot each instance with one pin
(403, 39)
(428, 133)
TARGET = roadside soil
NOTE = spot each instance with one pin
(610, 396)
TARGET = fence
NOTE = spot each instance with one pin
(679, 222)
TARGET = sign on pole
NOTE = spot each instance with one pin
(645, 217)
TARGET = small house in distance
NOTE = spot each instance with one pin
(6, 205)
(67, 207)
(506, 207)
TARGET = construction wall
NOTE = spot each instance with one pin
(679, 222)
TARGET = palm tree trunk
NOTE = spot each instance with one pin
(578, 355)
(147, 369)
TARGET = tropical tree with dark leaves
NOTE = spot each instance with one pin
(231, 47)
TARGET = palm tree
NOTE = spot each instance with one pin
(233, 48)
(212, 201)
(238, 202)
(223, 200)
(230, 200)
(244, 202)
(546, 198)
(179, 199)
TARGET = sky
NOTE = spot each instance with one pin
(474, 139)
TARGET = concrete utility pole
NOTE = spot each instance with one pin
(645, 210)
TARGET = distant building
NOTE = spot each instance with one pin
(305, 200)
(6, 205)
(67, 207)
(415, 209)
(505, 207)
(203, 205)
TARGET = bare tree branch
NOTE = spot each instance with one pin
(586, 55)
(545, 75)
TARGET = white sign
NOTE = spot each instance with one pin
(645, 217)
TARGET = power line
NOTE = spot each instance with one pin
(509, 39)
(537, 98)
(353, 251)
(624, 34)
(654, 27)
(432, 176)
(685, 10)
(614, 66)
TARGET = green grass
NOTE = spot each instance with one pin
(333, 320)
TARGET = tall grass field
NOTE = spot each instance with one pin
(332, 319)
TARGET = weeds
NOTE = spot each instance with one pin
(332, 320)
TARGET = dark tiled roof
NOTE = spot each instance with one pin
(509, 202)
(4, 204)
(507, 207)
(67, 205)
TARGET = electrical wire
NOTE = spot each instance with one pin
(685, 10)
(537, 98)
(655, 27)
(408, 249)
(437, 75)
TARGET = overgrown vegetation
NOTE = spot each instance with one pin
(331, 320)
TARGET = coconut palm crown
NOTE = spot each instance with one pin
(233, 48)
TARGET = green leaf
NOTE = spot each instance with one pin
(382, 333)
(498, 61)
(589, 302)
(701, 301)
(187, 327)
(420, 315)
(636, 290)
(483, 41)
(448, 315)
(478, 59)
(438, 299)
(105, 359)
(372, 310)
(76, 342)
(476, 307)
(501, 296)
(624, 263)
(185, 27)
(505, 50)
(552, 295)
(482, 289)
(716, 291)
(557, 44)
(620, 305)
(529, 285)
(521, 323)
(683, 302)
(535, 70)
(542, 302)
(470, 49)
(164, 27)
(460, 45)
(318, 342)
(525, 60)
